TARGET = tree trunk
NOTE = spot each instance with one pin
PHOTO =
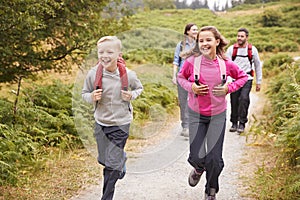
(17, 98)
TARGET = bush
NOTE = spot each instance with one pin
(154, 94)
(276, 64)
(289, 47)
(6, 112)
(43, 119)
(284, 93)
(270, 18)
(17, 151)
(150, 55)
(290, 16)
(282, 125)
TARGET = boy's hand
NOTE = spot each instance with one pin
(126, 95)
(200, 89)
(220, 90)
(97, 94)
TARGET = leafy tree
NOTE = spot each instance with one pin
(44, 35)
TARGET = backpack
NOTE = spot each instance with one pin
(123, 75)
(197, 66)
(234, 55)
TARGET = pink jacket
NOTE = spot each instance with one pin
(209, 104)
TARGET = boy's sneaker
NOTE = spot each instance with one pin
(123, 172)
(185, 132)
(241, 128)
(194, 177)
(233, 128)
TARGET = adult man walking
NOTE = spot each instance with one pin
(245, 55)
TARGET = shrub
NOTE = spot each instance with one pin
(17, 151)
(285, 98)
(43, 119)
(289, 47)
(276, 63)
(154, 94)
(150, 55)
(270, 18)
(6, 111)
(282, 124)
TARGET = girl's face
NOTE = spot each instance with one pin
(193, 32)
(208, 44)
(108, 54)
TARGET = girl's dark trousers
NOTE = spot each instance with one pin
(206, 146)
(111, 141)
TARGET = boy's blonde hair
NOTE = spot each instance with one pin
(110, 38)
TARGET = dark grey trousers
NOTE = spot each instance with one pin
(111, 141)
(240, 101)
(183, 104)
(206, 146)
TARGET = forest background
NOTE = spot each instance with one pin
(43, 119)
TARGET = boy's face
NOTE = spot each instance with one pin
(108, 53)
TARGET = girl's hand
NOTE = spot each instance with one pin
(97, 94)
(200, 89)
(126, 95)
(220, 90)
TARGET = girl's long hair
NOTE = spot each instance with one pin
(220, 48)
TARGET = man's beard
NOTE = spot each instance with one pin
(241, 42)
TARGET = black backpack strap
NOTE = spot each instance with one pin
(181, 44)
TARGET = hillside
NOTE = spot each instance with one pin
(56, 165)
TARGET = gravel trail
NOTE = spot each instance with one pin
(161, 171)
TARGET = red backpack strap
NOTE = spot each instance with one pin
(99, 74)
(234, 51)
(250, 53)
(123, 75)
(122, 70)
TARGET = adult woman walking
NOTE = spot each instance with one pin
(188, 42)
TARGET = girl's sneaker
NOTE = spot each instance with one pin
(194, 177)
(212, 195)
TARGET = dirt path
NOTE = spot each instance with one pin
(161, 171)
